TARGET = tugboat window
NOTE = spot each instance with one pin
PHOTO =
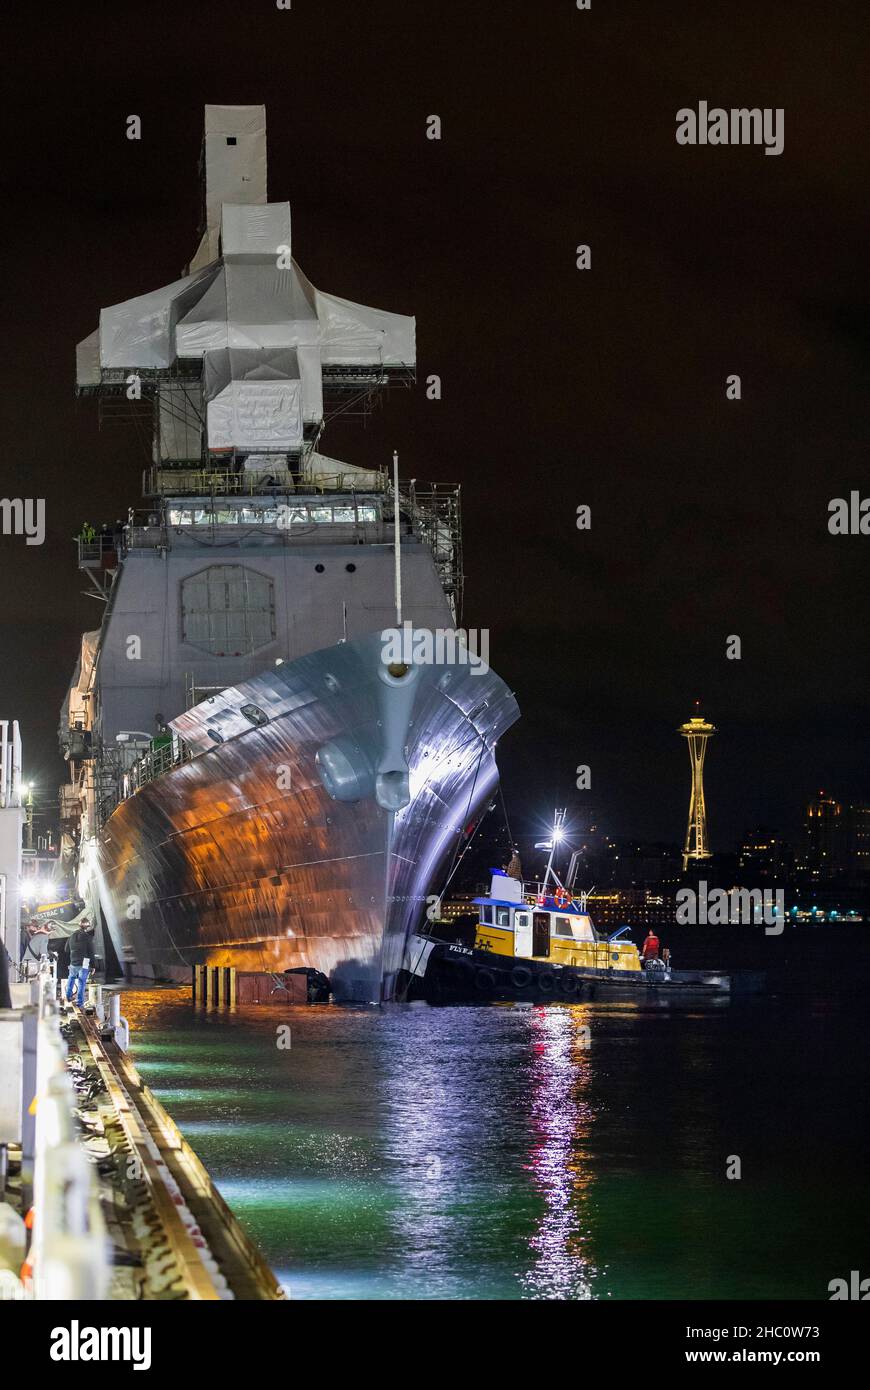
(228, 610)
(502, 917)
(563, 927)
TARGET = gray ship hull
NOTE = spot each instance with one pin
(286, 843)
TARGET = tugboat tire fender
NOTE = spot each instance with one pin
(484, 979)
(570, 984)
(547, 982)
(521, 977)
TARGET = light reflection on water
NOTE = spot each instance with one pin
(561, 1118)
(483, 1153)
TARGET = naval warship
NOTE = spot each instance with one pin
(256, 778)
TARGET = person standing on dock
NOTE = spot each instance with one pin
(81, 945)
(650, 949)
(5, 996)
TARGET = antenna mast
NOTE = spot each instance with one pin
(397, 538)
(555, 838)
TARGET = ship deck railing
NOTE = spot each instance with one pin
(99, 552)
(534, 889)
(338, 377)
(154, 764)
(196, 481)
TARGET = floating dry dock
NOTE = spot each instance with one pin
(120, 1206)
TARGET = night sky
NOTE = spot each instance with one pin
(560, 387)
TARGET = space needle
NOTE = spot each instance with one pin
(696, 731)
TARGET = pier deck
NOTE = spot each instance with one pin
(120, 1206)
(182, 1239)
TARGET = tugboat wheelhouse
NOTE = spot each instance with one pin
(533, 927)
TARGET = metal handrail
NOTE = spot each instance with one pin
(199, 482)
(154, 764)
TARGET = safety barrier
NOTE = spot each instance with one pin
(69, 1254)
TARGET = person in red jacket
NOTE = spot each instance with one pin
(650, 949)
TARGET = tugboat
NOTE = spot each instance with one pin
(537, 942)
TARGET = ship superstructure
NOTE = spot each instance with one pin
(250, 783)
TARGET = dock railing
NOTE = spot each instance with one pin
(69, 1255)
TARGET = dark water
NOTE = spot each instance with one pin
(501, 1152)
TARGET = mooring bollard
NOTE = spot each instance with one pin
(47, 1000)
(120, 1026)
(214, 985)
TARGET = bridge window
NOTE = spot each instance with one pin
(502, 917)
(564, 927)
(286, 514)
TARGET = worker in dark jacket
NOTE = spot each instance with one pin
(81, 950)
(5, 996)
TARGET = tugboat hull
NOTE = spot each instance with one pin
(443, 972)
